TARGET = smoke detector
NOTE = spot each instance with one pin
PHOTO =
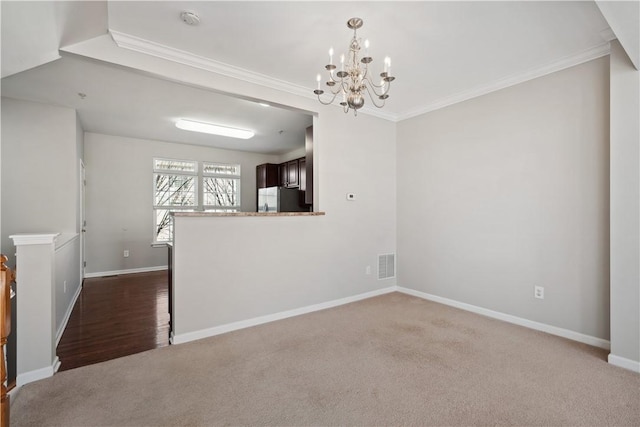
(190, 18)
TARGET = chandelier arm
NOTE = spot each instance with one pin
(385, 87)
(335, 82)
(377, 86)
(337, 89)
(365, 72)
(330, 102)
(373, 99)
(344, 86)
(341, 84)
(372, 86)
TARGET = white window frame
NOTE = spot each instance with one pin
(200, 176)
(215, 208)
(172, 208)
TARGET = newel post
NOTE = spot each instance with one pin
(35, 308)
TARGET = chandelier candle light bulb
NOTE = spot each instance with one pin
(354, 78)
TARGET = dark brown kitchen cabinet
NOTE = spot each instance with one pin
(302, 164)
(290, 174)
(302, 174)
(267, 175)
(283, 174)
(308, 144)
(293, 172)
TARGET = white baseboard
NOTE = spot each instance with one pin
(623, 362)
(13, 394)
(553, 330)
(38, 374)
(222, 329)
(67, 315)
(129, 271)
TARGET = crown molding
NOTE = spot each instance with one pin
(148, 47)
(607, 34)
(127, 41)
(564, 63)
(383, 114)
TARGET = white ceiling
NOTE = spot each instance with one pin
(126, 103)
(438, 49)
(442, 52)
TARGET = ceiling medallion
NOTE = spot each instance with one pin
(353, 79)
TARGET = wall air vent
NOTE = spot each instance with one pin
(386, 266)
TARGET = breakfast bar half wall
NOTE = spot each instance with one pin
(234, 270)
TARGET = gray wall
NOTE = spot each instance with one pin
(42, 147)
(39, 170)
(508, 191)
(265, 266)
(293, 154)
(625, 209)
(119, 196)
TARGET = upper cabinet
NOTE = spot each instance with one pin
(285, 174)
(290, 174)
(267, 175)
(293, 174)
(308, 169)
(302, 175)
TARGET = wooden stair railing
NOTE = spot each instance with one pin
(6, 277)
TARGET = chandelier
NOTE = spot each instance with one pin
(353, 78)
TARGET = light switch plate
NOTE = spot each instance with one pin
(351, 196)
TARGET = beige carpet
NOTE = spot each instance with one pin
(389, 360)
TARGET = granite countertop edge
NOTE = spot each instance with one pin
(252, 214)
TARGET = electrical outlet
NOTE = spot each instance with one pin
(64, 286)
(351, 197)
(538, 292)
(367, 270)
(126, 253)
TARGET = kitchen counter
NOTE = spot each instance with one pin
(214, 214)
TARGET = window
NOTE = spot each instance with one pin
(180, 186)
(175, 188)
(221, 187)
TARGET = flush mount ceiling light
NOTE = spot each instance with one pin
(213, 129)
(353, 79)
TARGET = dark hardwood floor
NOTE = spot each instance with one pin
(114, 317)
